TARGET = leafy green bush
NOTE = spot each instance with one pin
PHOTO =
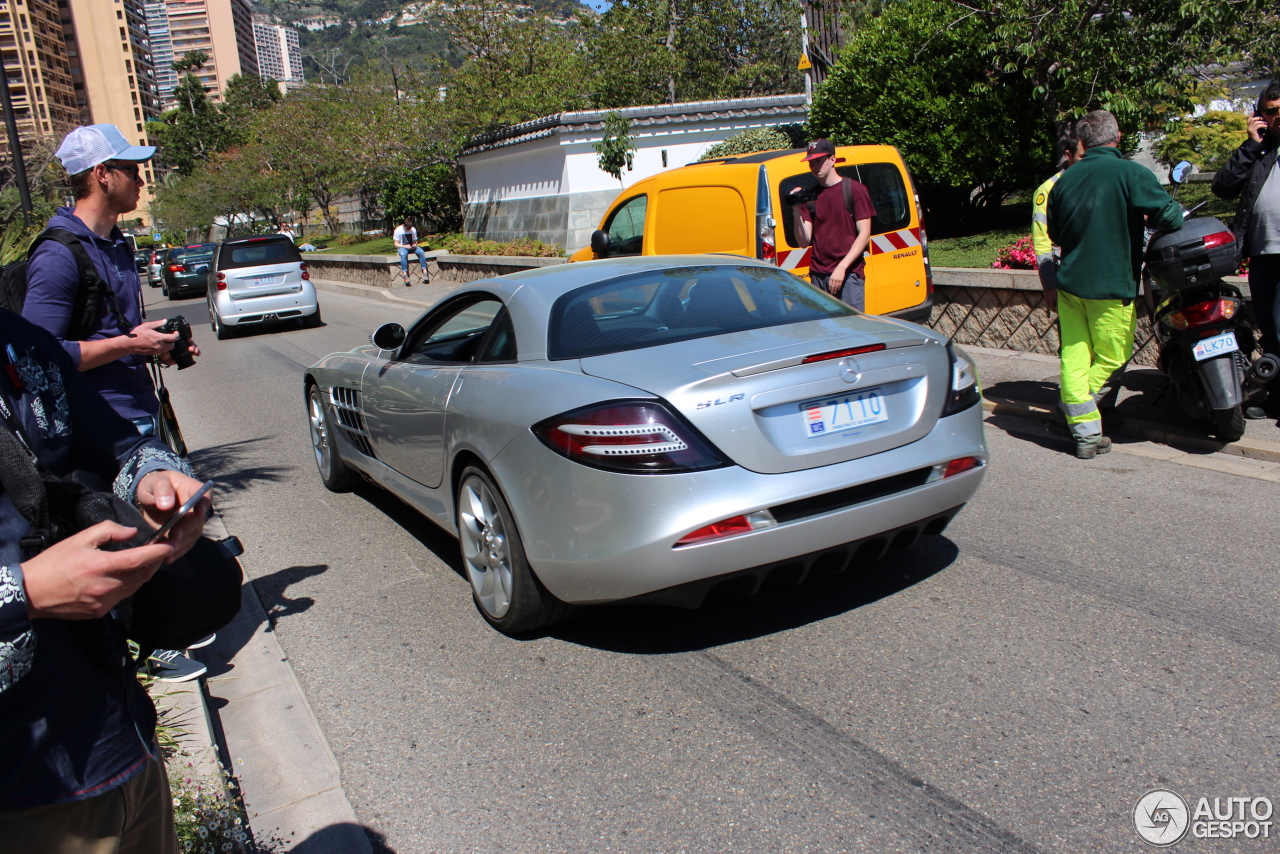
(459, 244)
(1207, 141)
(429, 193)
(748, 142)
(350, 239)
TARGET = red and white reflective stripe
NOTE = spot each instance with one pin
(895, 241)
(793, 258)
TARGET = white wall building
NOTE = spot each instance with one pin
(279, 52)
(541, 179)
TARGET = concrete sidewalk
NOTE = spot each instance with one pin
(1026, 385)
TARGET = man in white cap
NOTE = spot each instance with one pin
(111, 349)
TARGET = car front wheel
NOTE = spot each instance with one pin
(333, 471)
(504, 587)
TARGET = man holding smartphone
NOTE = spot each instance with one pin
(1253, 174)
(838, 226)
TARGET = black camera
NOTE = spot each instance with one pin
(181, 351)
(803, 196)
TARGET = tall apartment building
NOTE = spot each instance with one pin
(37, 70)
(279, 53)
(161, 51)
(223, 29)
(113, 72)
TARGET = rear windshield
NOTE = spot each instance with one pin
(884, 184)
(192, 254)
(257, 254)
(679, 304)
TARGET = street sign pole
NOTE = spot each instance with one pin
(804, 55)
(15, 150)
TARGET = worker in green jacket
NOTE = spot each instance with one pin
(1096, 215)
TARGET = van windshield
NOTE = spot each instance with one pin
(680, 304)
(884, 184)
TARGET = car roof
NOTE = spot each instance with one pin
(257, 237)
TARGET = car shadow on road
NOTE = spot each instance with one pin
(443, 545)
(656, 630)
(228, 466)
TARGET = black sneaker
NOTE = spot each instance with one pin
(1255, 413)
(170, 665)
(203, 642)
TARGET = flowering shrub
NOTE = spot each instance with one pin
(1018, 256)
(206, 819)
(1244, 268)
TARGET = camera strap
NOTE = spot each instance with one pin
(167, 429)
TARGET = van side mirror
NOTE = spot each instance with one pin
(388, 336)
(600, 243)
(1178, 174)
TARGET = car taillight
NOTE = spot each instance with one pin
(177, 268)
(303, 267)
(1218, 238)
(842, 354)
(222, 280)
(729, 528)
(964, 391)
(637, 437)
(942, 471)
(768, 244)
(1203, 313)
(928, 268)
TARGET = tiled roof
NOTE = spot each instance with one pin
(649, 116)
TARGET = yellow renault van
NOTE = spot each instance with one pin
(735, 205)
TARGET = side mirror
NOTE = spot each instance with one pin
(600, 243)
(203, 269)
(388, 336)
(1178, 174)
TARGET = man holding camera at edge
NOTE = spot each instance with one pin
(106, 182)
(838, 227)
(1253, 174)
(81, 770)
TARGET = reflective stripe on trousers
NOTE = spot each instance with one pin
(1097, 343)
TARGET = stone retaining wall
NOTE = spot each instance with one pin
(1005, 309)
(383, 271)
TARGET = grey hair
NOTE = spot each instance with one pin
(1097, 128)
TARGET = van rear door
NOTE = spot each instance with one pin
(895, 271)
(713, 211)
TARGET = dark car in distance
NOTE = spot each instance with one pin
(141, 260)
(185, 271)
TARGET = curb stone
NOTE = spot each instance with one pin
(289, 778)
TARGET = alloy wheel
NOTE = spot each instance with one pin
(483, 532)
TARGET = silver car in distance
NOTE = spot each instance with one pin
(649, 428)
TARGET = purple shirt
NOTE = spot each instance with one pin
(52, 281)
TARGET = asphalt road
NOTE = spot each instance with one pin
(1083, 633)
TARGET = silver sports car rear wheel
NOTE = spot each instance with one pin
(333, 471)
(503, 586)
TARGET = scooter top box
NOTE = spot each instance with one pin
(1201, 251)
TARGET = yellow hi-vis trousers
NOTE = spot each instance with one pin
(1097, 342)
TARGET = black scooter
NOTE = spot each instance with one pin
(1202, 323)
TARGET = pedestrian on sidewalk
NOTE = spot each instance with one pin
(81, 770)
(1253, 174)
(114, 354)
(1096, 213)
(837, 224)
(1067, 151)
(406, 239)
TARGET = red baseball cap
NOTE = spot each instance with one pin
(821, 148)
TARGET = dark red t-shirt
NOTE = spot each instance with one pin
(835, 231)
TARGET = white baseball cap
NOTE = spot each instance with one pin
(86, 147)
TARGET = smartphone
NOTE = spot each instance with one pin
(180, 512)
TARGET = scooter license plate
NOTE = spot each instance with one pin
(1215, 346)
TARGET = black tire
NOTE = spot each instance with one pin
(312, 321)
(494, 562)
(164, 291)
(1228, 424)
(334, 473)
(220, 329)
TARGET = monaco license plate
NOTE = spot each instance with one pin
(266, 280)
(1215, 346)
(846, 412)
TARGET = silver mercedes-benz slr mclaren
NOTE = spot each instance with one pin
(650, 428)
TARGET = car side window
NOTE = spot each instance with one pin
(626, 227)
(500, 346)
(454, 335)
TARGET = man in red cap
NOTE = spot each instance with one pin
(837, 224)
